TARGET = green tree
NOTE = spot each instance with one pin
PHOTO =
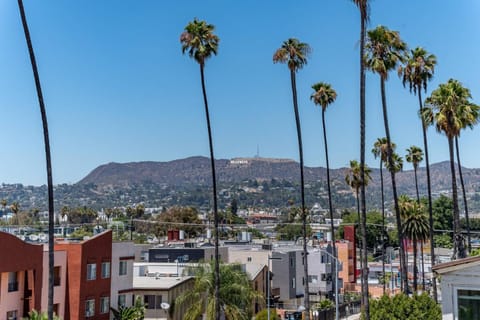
(135, 312)
(380, 151)
(235, 299)
(448, 108)
(468, 119)
(294, 53)
(443, 221)
(415, 156)
(185, 218)
(403, 307)
(324, 95)
(35, 315)
(262, 315)
(201, 43)
(384, 50)
(51, 210)
(355, 181)
(417, 72)
(415, 227)
(374, 229)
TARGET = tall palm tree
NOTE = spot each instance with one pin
(384, 50)
(415, 156)
(323, 96)
(364, 9)
(468, 120)
(415, 227)
(199, 41)
(294, 53)
(448, 106)
(417, 72)
(51, 211)
(355, 181)
(380, 151)
(236, 295)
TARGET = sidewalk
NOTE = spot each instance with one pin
(353, 317)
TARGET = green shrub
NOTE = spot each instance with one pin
(402, 307)
(262, 315)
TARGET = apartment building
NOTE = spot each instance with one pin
(88, 276)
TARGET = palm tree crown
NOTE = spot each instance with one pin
(385, 49)
(418, 69)
(324, 94)
(380, 148)
(414, 156)
(450, 109)
(397, 163)
(353, 178)
(199, 41)
(294, 53)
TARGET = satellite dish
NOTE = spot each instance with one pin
(165, 306)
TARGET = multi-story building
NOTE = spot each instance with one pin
(123, 256)
(21, 277)
(89, 277)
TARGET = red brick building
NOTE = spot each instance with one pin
(88, 277)
(21, 268)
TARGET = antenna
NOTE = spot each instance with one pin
(258, 152)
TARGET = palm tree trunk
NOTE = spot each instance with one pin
(403, 265)
(423, 266)
(363, 222)
(329, 192)
(383, 225)
(360, 240)
(416, 182)
(415, 269)
(429, 190)
(302, 191)
(215, 206)
(51, 210)
(458, 250)
(469, 244)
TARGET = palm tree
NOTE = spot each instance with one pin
(380, 151)
(294, 53)
(448, 107)
(354, 180)
(201, 43)
(15, 208)
(384, 50)
(325, 95)
(51, 211)
(364, 8)
(415, 227)
(135, 312)
(418, 71)
(236, 295)
(415, 156)
(468, 120)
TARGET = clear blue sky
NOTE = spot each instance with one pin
(118, 89)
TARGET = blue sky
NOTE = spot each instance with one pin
(118, 89)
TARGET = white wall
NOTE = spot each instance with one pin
(125, 282)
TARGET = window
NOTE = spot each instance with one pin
(91, 271)
(468, 304)
(122, 269)
(104, 304)
(89, 308)
(249, 259)
(12, 282)
(293, 283)
(56, 276)
(152, 302)
(105, 270)
(292, 262)
(122, 300)
(12, 315)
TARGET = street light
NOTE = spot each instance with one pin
(269, 284)
(337, 314)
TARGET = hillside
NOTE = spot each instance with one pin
(259, 182)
